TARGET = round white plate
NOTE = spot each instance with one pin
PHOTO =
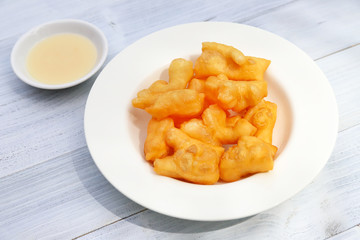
(305, 131)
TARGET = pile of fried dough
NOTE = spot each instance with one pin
(210, 121)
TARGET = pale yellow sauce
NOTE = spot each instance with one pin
(61, 58)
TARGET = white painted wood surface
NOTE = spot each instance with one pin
(49, 185)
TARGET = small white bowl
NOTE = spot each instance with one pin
(28, 40)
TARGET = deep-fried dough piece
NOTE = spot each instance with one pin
(181, 103)
(178, 103)
(251, 155)
(155, 145)
(180, 73)
(234, 95)
(263, 117)
(180, 120)
(196, 128)
(216, 60)
(197, 84)
(228, 52)
(226, 130)
(193, 160)
(216, 128)
(253, 69)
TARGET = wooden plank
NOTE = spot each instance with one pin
(318, 27)
(351, 234)
(343, 70)
(160, 14)
(328, 206)
(19, 16)
(59, 199)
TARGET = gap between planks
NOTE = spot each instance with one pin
(357, 225)
(348, 128)
(63, 154)
(265, 12)
(119, 220)
(338, 51)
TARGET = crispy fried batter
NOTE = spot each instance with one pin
(226, 130)
(193, 116)
(263, 117)
(196, 128)
(197, 84)
(178, 103)
(227, 51)
(155, 145)
(193, 160)
(234, 95)
(222, 59)
(180, 73)
(251, 155)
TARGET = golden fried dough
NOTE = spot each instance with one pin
(263, 117)
(180, 73)
(221, 59)
(226, 130)
(218, 102)
(155, 145)
(228, 52)
(251, 155)
(193, 160)
(197, 84)
(196, 128)
(178, 103)
(234, 95)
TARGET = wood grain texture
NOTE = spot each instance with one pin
(342, 69)
(317, 27)
(351, 234)
(59, 199)
(50, 187)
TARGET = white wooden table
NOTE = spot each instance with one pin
(49, 185)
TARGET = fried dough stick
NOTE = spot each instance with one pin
(251, 155)
(193, 160)
(263, 117)
(234, 95)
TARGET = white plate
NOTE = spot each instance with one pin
(305, 130)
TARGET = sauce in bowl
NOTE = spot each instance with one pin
(61, 58)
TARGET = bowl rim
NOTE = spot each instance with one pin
(23, 38)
